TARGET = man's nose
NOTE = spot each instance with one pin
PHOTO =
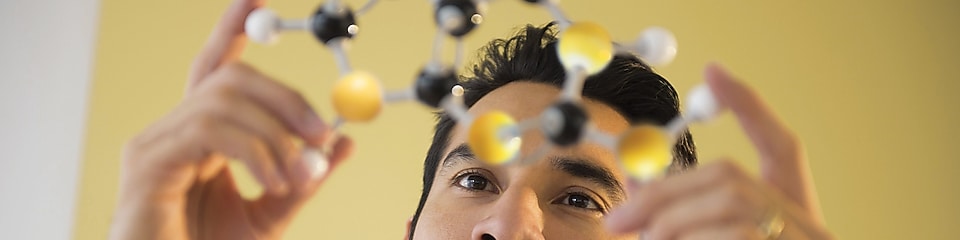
(515, 216)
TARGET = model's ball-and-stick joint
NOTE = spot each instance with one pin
(564, 123)
(358, 97)
(585, 45)
(701, 104)
(330, 22)
(645, 152)
(457, 17)
(494, 138)
(262, 26)
(657, 46)
(431, 87)
(584, 49)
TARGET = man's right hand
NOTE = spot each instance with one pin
(174, 181)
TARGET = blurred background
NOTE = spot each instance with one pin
(869, 86)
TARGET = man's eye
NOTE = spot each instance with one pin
(476, 182)
(581, 201)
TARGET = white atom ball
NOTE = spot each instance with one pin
(317, 164)
(701, 104)
(262, 26)
(657, 46)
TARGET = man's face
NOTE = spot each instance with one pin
(562, 194)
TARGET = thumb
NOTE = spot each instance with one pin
(783, 161)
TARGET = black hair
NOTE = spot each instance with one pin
(627, 85)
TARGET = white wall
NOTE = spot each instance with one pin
(46, 57)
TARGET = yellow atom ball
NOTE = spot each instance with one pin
(357, 97)
(645, 152)
(488, 140)
(585, 45)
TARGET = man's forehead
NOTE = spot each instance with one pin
(525, 100)
(520, 99)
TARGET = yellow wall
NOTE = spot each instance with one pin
(869, 85)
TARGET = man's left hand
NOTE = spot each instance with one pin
(722, 201)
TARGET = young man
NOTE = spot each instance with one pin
(174, 183)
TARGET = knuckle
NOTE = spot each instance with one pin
(200, 127)
(208, 113)
(143, 143)
(247, 150)
(291, 97)
(253, 145)
(260, 151)
(214, 106)
(727, 170)
(217, 102)
(229, 76)
(282, 141)
(718, 171)
(284, 147)
(277, 143)
(727, 165)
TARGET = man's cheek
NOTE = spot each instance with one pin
(446, 218)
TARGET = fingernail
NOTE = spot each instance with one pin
(316, 163)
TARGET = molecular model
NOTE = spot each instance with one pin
(584, 49)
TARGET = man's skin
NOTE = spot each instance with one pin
(175, 184)
(527, 199)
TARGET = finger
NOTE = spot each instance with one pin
(732, 231)
(244, 146)
(307, 179)
(782, 161)
(733, 201)
(281, 101)
(226, 41)
(342, 149)
(252, 118)
(655, 196)
(283, 207)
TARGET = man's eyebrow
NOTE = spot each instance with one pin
(458, 154)
(592, 172)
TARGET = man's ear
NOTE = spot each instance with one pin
(406, 236)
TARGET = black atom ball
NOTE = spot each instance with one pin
(329, 25)
(431, 88)
(467, 9)
(564, 122)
